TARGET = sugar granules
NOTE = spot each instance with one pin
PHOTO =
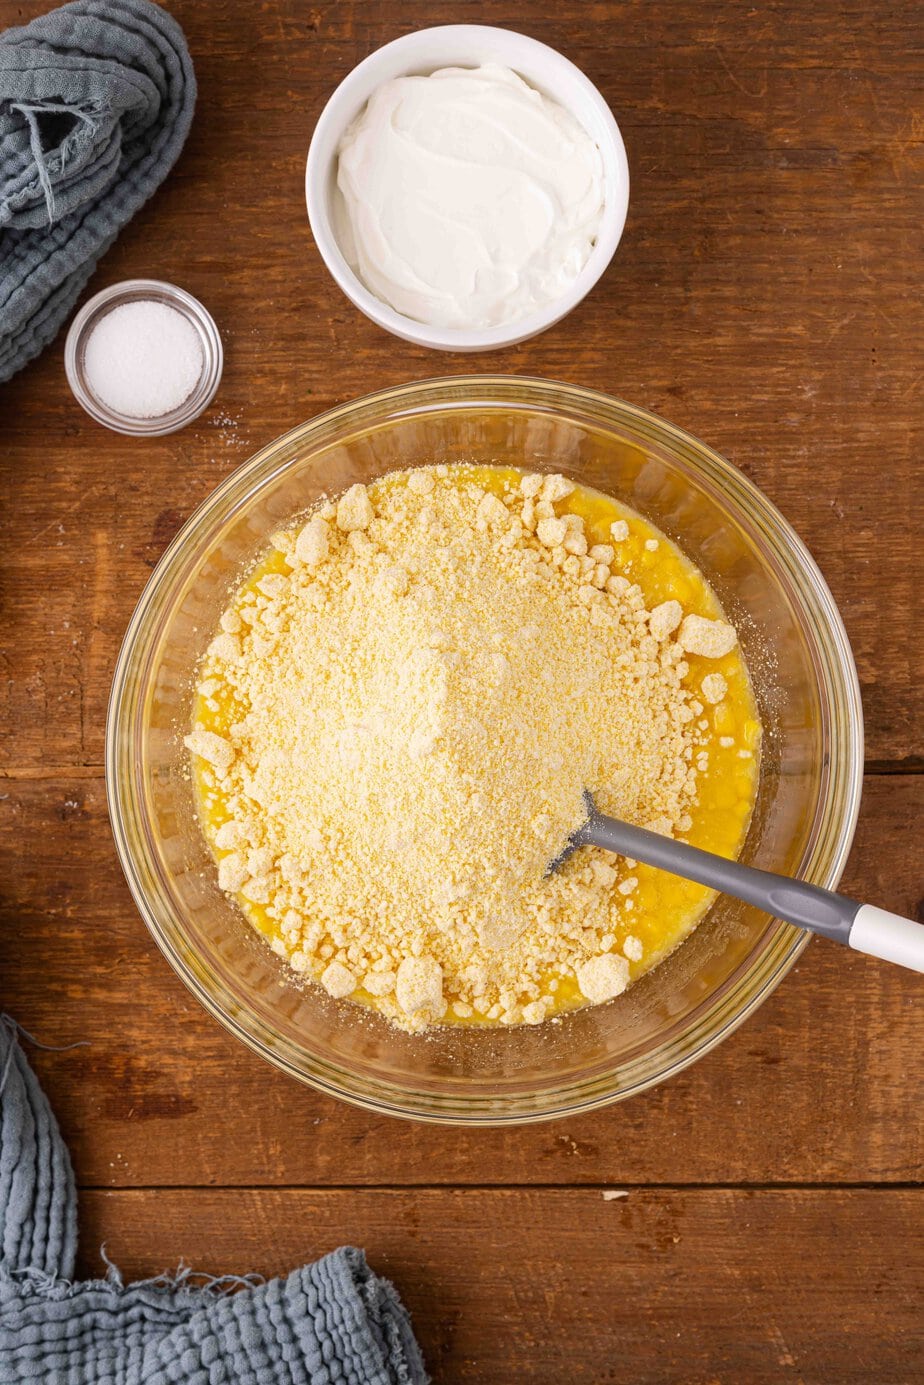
(424, 693)
(143, 359)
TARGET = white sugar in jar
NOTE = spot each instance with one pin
(143, 357)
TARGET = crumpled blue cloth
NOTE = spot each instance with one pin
(331, 1323)
(96, 100)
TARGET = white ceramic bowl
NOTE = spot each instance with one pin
(466, 45)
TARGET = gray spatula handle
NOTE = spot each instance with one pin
(864, 927)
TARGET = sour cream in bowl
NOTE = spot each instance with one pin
(467, 187)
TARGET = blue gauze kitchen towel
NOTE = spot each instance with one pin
(331, 1323)
(96, 100)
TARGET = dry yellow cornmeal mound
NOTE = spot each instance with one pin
(411, 694)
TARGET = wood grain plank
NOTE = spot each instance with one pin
(815, 1087)
(709, 1287)
(764, 296)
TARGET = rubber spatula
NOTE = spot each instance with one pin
(863, 927)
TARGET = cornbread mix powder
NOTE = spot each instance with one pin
(414, 696)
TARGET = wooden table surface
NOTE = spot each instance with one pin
(765, 297)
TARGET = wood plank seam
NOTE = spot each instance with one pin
(803, 1185)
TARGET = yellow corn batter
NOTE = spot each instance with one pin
(634, 915)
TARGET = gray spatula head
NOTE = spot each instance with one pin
(579, 838)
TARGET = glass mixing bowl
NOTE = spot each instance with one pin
(803, 824)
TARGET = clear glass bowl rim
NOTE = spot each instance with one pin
(826, 859)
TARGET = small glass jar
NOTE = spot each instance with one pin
(149, 291)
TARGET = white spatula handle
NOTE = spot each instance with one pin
(881, 934)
